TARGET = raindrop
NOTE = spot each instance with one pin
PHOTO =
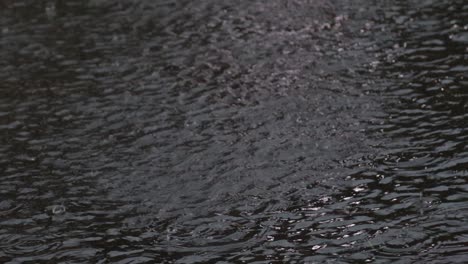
(50, 11)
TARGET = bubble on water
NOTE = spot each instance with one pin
(325, 26)
(5, 30)
(58, 209)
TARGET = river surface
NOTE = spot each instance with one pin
(212, 131)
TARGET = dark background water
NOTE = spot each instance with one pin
(233, 131)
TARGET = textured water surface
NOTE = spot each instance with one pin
(233, 131)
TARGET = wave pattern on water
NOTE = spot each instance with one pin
(179, 131)
(417, 188)
(236, 131)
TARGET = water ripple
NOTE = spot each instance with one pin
(237, 131)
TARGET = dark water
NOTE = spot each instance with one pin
(233, 131)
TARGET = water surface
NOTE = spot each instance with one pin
(233, 131)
